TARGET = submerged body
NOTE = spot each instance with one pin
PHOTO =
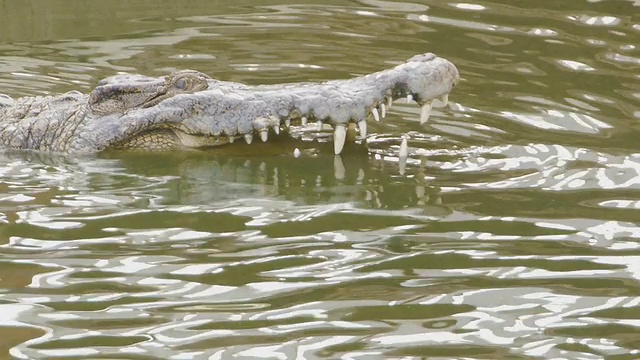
(190, 109)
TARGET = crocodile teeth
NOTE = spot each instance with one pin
(248, 138)
(383, 110)
(409, 98)
(425, 112)
(339, 138)
(404, 149)
(231, 139)
(264, 135)
(276, 129)
(319, 123)
(303, 120)
(363, 128)
(376, 116)
(287, 123)
(442, 101)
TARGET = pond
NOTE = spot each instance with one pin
(511, 232)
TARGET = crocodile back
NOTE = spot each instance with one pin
(40, 122)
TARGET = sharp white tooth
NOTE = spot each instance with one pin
(303, 120)
(319, 123)
(404, 149)
(231, 139)
(339, 138)
(248, 138)
(383, 110)
(376, 116)
(287, 123)
(297, 153)
(276, 129)
(389, 102)
(264, 135)
(425, 112)
(409, 98)
(363, 128)
(442, 101)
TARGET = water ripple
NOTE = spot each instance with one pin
(510, 231)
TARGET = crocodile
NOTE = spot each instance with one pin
(189, 109)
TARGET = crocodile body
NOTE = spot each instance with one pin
(190, 109)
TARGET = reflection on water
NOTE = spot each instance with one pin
(511, 231)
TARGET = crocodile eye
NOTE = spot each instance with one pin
(181, 84)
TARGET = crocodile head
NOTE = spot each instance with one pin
(190, 109)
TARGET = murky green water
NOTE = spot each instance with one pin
(512, 232)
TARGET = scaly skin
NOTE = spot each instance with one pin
(189, 109)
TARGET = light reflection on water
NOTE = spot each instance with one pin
(512, 230)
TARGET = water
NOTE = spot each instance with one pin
(513, 231)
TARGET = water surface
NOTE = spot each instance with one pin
(512, 231)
